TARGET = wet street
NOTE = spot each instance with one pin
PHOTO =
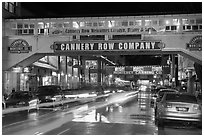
(130, 114)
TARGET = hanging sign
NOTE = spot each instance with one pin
(107, 46)
(195, 44)
(19, 46)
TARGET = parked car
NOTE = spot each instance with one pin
(179, 106)
(49, 93)
(21, 98)
(161, 93)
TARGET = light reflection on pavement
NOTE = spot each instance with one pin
(135, 116)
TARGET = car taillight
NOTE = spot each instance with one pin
(196, 107)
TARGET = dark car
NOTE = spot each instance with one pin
(179, 107)
(21, 98)
(49, 93)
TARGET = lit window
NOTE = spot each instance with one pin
(148, 22)
(185, 21)
(95, 24)
(192, 21)
(167, 22)
(176, 22)
(40, 25)
(138, 22)
(111, 23)
(75, 25)
(82, 24)
(88, 24)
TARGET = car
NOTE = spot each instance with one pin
(179, 107)
(50, 93)
(20, 99)
(161, 92)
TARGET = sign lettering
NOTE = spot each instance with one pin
(104, 46)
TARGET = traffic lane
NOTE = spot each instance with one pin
(133, 117)
(114, 119)
(90, 128)
(45, 123)
(23, 116)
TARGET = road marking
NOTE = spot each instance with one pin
(63, 131)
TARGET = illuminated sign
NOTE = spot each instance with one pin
(107, 46)
(138, 70)
(19, 46)
(195, 44)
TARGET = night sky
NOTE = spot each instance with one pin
(85, 9)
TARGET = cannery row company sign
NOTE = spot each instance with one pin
(107, 46)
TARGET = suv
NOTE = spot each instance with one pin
(49, 93)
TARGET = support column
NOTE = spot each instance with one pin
(99, 71)
(173, 70)
(190, 82)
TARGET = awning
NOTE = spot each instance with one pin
(44, 65)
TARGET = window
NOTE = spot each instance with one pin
(125, 23)
(195, 27)
(173, 27)
(131, 23)
(111, 23)
(88, 24)
(148, 22)
(167, 28)
(185, 21)
(75, 24)
(198, 21)
(6, 5)
(138, 23)
(10, 6)
(66, 24)
(82, 24)
(101, 23)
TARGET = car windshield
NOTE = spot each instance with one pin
(48, 90)
(181, 98)
(161, 93)
(20, 95)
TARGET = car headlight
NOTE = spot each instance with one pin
(22, 103)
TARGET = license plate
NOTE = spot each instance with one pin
(182, 109)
